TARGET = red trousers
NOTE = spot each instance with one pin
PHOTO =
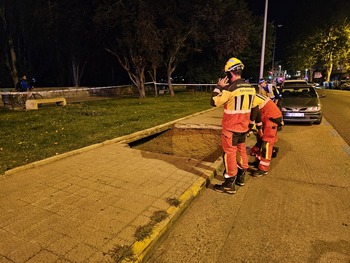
(232, 143)
(268, 140)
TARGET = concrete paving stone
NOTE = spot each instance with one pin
(98, 257)
(65, 225)
(9, 242)
(9, 204)
(84, 192)
(4, 259)
(74, 180)
(141, 220)
(56, 207)
(44, 201)
(73, 189)
(47, 222)
(23, 253)
(108, 225)
(91, 236)
(128, 234)
(172, 193)
(81, 253)
(125, 216)
(19, 225)
(70, 198)
(109, 199)
(63, 245)
(44, 256)
(89, 204)
(161, 204)
(44, 238)
(132, 205)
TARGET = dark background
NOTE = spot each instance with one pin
(102, 69)
(298, 16)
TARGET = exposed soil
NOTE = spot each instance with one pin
(202, 144)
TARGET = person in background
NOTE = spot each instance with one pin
(237, 96)
(23, 85)
(271, 91)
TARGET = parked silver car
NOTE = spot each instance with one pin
(301, 104)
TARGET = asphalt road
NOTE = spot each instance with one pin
(336, 109)
(299, 212)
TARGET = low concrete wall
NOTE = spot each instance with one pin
(112, 91)
(72, 92)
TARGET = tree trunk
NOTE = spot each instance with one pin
(329, 71)
(77, 71)
(13, 68)
(170, 70)
(141, 87)
(311, 75)
(153, 75)
(137, 76)
(170, 86)
(329, 68)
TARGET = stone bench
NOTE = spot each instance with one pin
(33, 104)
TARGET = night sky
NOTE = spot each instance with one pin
(297, 16)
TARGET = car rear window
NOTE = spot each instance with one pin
(302, 92)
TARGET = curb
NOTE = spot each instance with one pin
(142, 248)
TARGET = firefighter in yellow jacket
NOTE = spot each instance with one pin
(237, 98)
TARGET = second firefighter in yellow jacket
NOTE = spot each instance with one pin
(267, 118)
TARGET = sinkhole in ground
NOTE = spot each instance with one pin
(198, 143)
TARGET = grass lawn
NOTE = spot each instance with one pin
(28, 136)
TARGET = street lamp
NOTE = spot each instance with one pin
(274, 48)
(261, 75)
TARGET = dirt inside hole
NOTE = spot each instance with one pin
(201, 144)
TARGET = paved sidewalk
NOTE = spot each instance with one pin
(78, 206)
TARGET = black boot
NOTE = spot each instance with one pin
(274, 152)
(226, 187)
(259, 173)
(254, 164)
(240, 177)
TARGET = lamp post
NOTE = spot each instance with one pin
(274, 48)
(261, 75)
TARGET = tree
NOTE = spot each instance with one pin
(69, 30)
(129, 28)
(11, 21)
(328, 47)
(224, 29)
(333, 46)
(177, 23)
